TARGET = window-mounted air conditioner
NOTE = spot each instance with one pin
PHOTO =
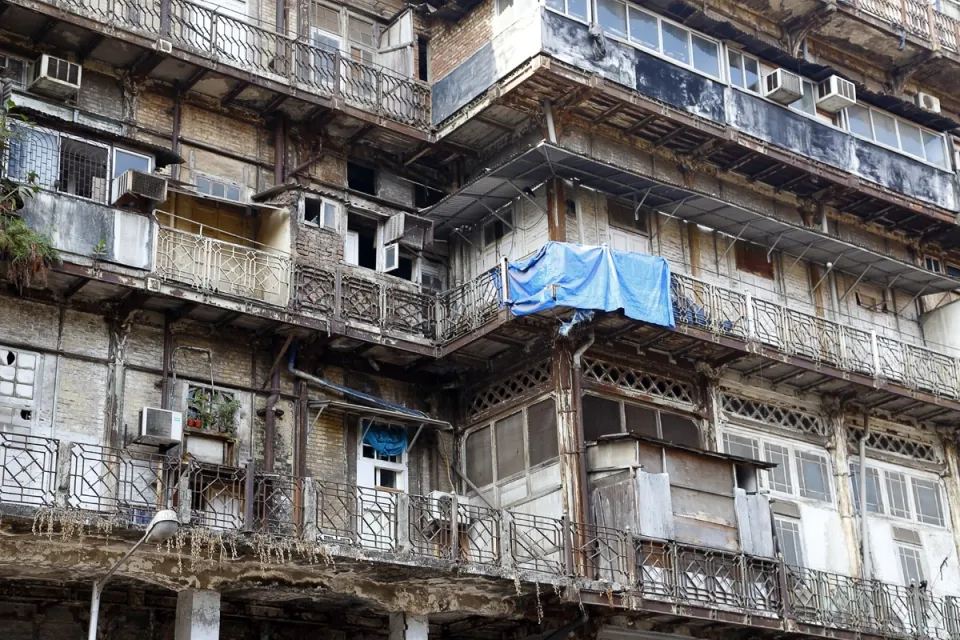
(782, 86)
(160, 426)
(835, 94)
(928, 102)
(133, 185)
(55, 77)
(440, 507)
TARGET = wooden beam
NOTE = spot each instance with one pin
(88, 48)
(607, 113)
(274, 104)
(234, 93)
(640, 124)
(192, 81)
(74, 288)
(145, 65)
(45, 27)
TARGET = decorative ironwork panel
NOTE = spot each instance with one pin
(635, 380)
(216, 494)
(706, 306)
(409, 311)
(356, 515)
(431, 530)
(656, 568)
(769, 324)
(316, 290)
(897, 445)
(932, 371)
(772, 414)
(28, 468)
(469, 306)
(534, 376)
(481, 542)
(857, 349)
(278, 507)
(360, 299)
(892, 360)
(134, 483)
(537, 543)
(604, 552)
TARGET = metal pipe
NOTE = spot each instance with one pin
(99, 584)
(279, 148)
(175, 136)
(165, 380)
(551, 127)
(270, 421)
(578, 354)
(864, 540)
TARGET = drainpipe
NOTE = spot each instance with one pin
(281, 16)
(167, 347)
(270, 422)
(279, 145)
(578, 394)
(864, 539)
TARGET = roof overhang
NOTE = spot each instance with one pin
(501, 185)
(383, 413)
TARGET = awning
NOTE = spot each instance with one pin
(499, 186)
(386, 412)
(259, 206)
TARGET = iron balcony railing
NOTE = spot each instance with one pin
(130, 485)
(260, 49)
(364, 297)
(722, 311)
(209, 264)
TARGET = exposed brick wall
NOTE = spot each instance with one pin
(452, 44)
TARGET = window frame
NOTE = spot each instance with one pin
(623, 402)
(910, 477)
(566, 10)
(918, 558)
(399, 467)
(324, 201)
(226, 184)
(778, 521)
(844, 118)
(743, 57)
(498, 218)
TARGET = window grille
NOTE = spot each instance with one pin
(511, 387)
(634, 380)
(897, 445)
(773, 415)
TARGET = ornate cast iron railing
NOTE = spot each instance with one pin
(132, 484)
(258, 48)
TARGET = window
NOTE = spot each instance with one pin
(361, 179)
(808, 102)
(376, 469)
(500, 226)
(933, 264)
(911, 565)
(953, 270)
(211, 409)
(603, 416)
(320, 212)
(503, 6)
(19, 371)
(873, 488)
(621, 214)
(926, 496)
(744, 71)
(579, 9)
(652, 32)
(896, 133)
(11, 70)
(752, 258)
(875, 301)
(124, 161)
(512, 445)
(897, 501)
(360, 243)
(83, 169)
(423, 59)
(799, 472)
(788, 536)
(218, 188)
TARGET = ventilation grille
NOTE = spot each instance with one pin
(511, 388)
(633, 380)
(773, 415)
(897, 445)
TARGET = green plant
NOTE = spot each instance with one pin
(100, 249)
(216, 411)
(227, 411)
(26, 252)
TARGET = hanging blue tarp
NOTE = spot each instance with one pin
(581, 277)
(387, 441)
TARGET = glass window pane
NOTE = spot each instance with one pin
(933, 146)
(600, 417)
(788, 535)
(706, 56)
(910, 565)
(926, 495)
(873, 488)
(557, 4)
(218, 189)
(751, 69)
(612, 16)
(578, 9)
(641, 420)
(859, 118)
(203, 185)
(808, 103)
(233, 193)
(675, 42)
(643, 29)
(780, 477)
(542, 435)
(735, 62)
(814, 480)
(509, 435)
(478, 456)
(910, 139)
(124, 161)
(897, 503)
(885, 129)
(740, 446)
(679, 430)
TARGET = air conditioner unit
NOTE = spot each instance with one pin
(160, 426)
(440, 507)
(55, 77)
(928, 102)
(782, 86)
(835, 94)
(132, 185)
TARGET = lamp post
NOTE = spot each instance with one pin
(162, 527)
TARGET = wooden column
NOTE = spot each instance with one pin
(556, 210)
(837, 427)
(566, 380)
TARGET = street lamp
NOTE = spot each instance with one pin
(162, 527)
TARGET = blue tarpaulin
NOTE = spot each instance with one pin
(563, 274)
(387, 441)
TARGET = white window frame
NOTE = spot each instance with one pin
(794, 448)
(743, 56)
(798, 523)
(920, 556)
(401, 467)
(844, 119)
(930, 261)
(225, 182)
(910, 475)
(566, 10)
(323, 209)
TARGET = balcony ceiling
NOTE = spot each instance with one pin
(500, 186)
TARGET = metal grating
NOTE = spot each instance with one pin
(634, 380)
(897, 445)
(510, 388)
(773, 415)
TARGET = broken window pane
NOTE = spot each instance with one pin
(873, 488)
(542, 431)
(814, 479)
(679, 430)
(479, 457)
(600, 417)
(926, 495)
(788, 535)
(780, 478)
(509, 435)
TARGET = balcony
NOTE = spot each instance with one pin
(247, 52)
(604, 566)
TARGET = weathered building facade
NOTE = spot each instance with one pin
(308, 298)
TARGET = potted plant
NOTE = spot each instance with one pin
(226, 410)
